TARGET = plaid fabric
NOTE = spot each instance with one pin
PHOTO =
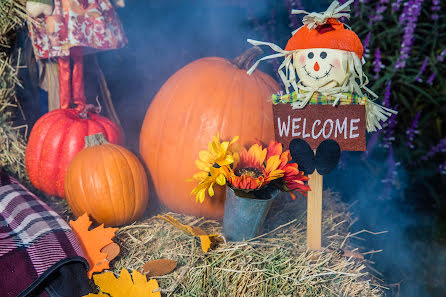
(318, 98)
(34, 241)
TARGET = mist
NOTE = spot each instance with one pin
(167, 35)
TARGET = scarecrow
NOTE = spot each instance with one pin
(65, 31)
(323, 65)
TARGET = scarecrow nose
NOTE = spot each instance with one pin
(316, 67)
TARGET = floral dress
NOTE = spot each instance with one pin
(91, 24)
(75, 28)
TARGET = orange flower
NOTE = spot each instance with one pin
(293, 178)
(253, 169)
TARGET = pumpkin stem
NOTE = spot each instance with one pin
(85, 109)
(95, 140)
(244, 60)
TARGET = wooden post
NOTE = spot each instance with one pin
(314, 211)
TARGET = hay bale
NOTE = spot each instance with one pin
(274, 264)
(12, 139)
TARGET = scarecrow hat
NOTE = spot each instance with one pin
(328, 34)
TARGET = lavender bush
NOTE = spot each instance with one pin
(409, 37)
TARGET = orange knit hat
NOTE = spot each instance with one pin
(331, 35)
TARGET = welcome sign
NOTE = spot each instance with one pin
(316, 123)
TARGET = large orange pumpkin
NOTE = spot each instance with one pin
(107, 182)
(207, 96)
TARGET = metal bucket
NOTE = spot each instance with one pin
(244, 217)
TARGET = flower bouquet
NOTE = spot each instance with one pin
(254, 177)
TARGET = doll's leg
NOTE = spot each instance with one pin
(78, 76)
(64, 82)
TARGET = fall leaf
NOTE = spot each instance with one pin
(159, 267)
(206, 239)
(348, 254)
(112, 250)
(93, 242)
(124, 286)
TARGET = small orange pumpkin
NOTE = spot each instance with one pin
(107, 182)
(208, 96)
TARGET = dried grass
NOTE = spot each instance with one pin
(12, 138)
(274, 264)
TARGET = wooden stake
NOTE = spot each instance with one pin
(314, 211)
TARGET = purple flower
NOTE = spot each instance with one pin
(441, 56)
(377, 65)
(408, 19)
(413, 131)
(442, 168)
(389, 126)
(423, 67)
(439, 148)
(435, 8)
(366, 44)
(430, 80)
(380, 8)
(396, 5)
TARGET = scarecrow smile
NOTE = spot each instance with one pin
(317, 77)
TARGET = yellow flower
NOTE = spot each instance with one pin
(217, 154)
(211, 163)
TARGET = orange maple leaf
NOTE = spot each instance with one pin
(92, 242)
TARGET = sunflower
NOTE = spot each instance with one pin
(293, 179)
(207, 183)
(254, 170)
(211, 163)
(217, 155)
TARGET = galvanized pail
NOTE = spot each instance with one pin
(244, 217)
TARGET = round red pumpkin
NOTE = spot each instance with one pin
(54, 141)
(207, 96)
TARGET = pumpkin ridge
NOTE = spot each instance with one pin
(132, 165)
(123, 183)
(165, 109)
(110, 179)
(35, 148)
(84, 167)
(46, 175)
(68, 180)
(61, 171)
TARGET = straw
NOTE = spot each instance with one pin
(273, 264)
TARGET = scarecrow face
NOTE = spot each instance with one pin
(321, 67)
